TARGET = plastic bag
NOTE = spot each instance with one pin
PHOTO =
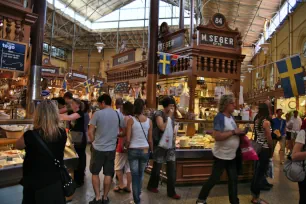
(248, 152)
(166, 140)
(270, 170)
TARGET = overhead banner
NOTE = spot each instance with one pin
(12, 55)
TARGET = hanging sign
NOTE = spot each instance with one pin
(124, 57)
(45, 71)
(12, 55)
(79, 76)
(122, 87)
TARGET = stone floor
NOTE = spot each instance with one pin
(283, 192)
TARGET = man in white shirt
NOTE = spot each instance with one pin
(296, 123)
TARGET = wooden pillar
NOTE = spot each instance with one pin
(192, 83)
(191, 22)
(236, 90)
(181, 17)
(152, 59)
(37, 39)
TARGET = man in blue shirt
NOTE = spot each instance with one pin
(279, 133)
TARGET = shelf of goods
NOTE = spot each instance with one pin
(11, 160)
(194, 158)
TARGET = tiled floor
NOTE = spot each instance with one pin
(283, 192)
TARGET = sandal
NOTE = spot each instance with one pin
(259, 201)
(117, 189)
(125, 189)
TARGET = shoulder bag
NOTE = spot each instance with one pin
(68, 184)
(295, 171)
(144, 133)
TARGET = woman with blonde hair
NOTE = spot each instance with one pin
(41, 178)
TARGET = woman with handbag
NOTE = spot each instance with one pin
(139, 143)
(79, 137)
(121, 160)
(41, 177)
(299, 154)
(264, 146)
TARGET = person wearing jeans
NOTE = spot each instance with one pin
(225, 151)
(264, 140)
(138, 142)
(162, 155)
(299, 154)
(279, 134)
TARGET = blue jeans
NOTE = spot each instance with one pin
(138, 161)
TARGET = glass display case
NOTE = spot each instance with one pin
(194, 158)
(11, 160)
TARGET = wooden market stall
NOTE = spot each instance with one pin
(215, 52)
(127, 76)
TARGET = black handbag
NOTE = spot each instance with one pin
(68, 184)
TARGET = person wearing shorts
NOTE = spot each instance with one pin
(103, 133)
(121, 161)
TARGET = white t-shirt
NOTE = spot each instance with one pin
(300, 138)
(226, 149)
(296, 124)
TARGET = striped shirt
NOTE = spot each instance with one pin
(260, 133)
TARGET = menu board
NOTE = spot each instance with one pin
(12, 55)
(122, 87)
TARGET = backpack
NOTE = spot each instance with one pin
(295, 171)
(156, 132)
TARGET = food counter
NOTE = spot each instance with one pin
(194, 158)
(11, 159)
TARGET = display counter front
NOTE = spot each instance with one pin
(194, 158)
(11, 160)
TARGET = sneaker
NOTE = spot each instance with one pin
(132, 202)
(153, 190)
(176, 197)
(94, 201)
(105, 201)
(201, 202)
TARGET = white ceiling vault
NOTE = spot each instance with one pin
(97, 19)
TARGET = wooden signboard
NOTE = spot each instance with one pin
(122, 87)
(169, 42)
(217, 33)
(124, 57)
(12, 55)
(78, 76)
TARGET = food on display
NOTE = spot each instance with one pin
(196, 142)
(10, 158)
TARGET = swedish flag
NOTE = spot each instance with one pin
(292, 76)
(164, 64)
(100, 85)
(87, 85)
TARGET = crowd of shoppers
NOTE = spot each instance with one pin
(122, 140)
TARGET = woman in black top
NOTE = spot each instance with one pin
(41, 178)
(77, 124)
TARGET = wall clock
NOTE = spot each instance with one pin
(292, 104)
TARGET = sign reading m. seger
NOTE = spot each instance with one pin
(217, 40)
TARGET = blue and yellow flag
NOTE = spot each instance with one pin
(292, 76)
(164, 64)
(87, 85)
(100, 85)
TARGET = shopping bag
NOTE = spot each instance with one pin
(270, 170)
(166, 140)
(248, 152)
